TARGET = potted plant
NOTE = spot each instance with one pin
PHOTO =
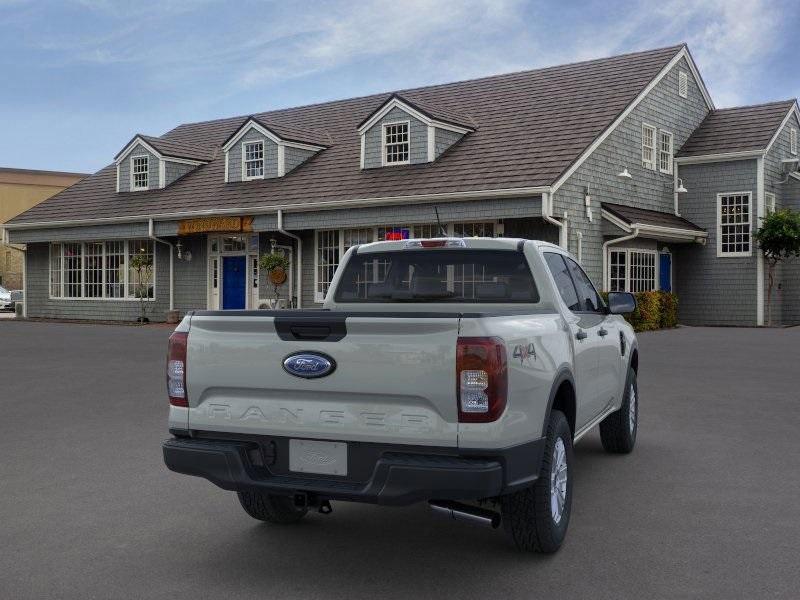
(142, 265)
(276, 265)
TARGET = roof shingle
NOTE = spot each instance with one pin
(631, 215)
(530, 127)
(739, 129)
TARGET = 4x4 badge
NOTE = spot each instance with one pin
(523, 353)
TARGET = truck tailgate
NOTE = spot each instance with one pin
(394, 379)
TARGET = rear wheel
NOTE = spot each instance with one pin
(271, 508)
(537, 517)
(618, 430)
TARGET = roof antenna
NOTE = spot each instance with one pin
(442, 230)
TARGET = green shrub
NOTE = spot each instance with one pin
(654, 310)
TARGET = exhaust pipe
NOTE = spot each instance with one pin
(465, 513)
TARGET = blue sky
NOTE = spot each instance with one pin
(79, 78)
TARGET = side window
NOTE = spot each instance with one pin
(563, 281)
(588, 297)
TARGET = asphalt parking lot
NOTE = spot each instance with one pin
(706, 506)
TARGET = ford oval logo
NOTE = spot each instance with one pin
(309, 365)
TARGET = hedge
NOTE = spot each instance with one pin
(654, 310)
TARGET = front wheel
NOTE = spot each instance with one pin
(271, 508)
(618, 430)
(537, 517)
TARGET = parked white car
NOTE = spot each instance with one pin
(454, 371)
(5, 299)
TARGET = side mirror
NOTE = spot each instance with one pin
(621, 303)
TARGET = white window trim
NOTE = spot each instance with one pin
(627, 252)
(383, 143)
(125, 281)
(263, 160)
(683, 84)
(668, 170)
(652, 165)
(720, 253)
(319, 297)
(133, 187)
(793, 141)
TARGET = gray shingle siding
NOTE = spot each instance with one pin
(174, 171)
(406, 214)
(39, 304)
(648, 189)
(418, 138)
(270, 156)
(294, 157)
(715, 290)
(125, 169)
(191, 278)
(443, 139)
(93, 232)
(786, 287)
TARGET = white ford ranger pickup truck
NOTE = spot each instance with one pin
(459, 372)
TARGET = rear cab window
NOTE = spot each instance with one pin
(438, 276)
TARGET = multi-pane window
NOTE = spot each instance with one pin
(55, 270)
(331, 245)
(683, 84)
(648, 146)
(665, 152)
(140, 166)
(99, 270)
(115, 269)
(93, 270)
(253, 160)
(632, 271)
(734, 224)
(395, 143)
(140, 280)
(618, 271)
(769, 200)
(793, 140)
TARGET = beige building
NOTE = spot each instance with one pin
(21, 189)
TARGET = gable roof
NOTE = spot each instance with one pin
(530, 127)
(640, 216)
(170, 148)
(739, 129)
(282, 131)
(432, 112)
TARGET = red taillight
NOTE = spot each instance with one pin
(481, 379)
(176, 369)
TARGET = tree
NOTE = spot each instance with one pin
(779, 239)
(142, 265)
(276, 266)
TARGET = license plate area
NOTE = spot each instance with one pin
(321, 458)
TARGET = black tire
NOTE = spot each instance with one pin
(271, 508)
(527, 514)
(618, 430)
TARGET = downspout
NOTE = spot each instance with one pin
(547, 212)
(151, 234)
(282, 231)
(675, 188)
(618, 240)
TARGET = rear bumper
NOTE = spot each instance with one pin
(392, 475)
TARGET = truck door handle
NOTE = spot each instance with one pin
(581, 335)
(602, 332)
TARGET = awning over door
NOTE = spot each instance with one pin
(652, 224)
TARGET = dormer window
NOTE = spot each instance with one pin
(396, 148)
(253, 153)
(140, 170)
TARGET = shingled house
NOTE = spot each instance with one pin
(624, 160)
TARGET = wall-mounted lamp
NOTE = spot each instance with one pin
(625, 174)
(587, 200)
(183, 254)
(680, 189)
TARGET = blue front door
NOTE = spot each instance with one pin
(665, 272)
(233, 282)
